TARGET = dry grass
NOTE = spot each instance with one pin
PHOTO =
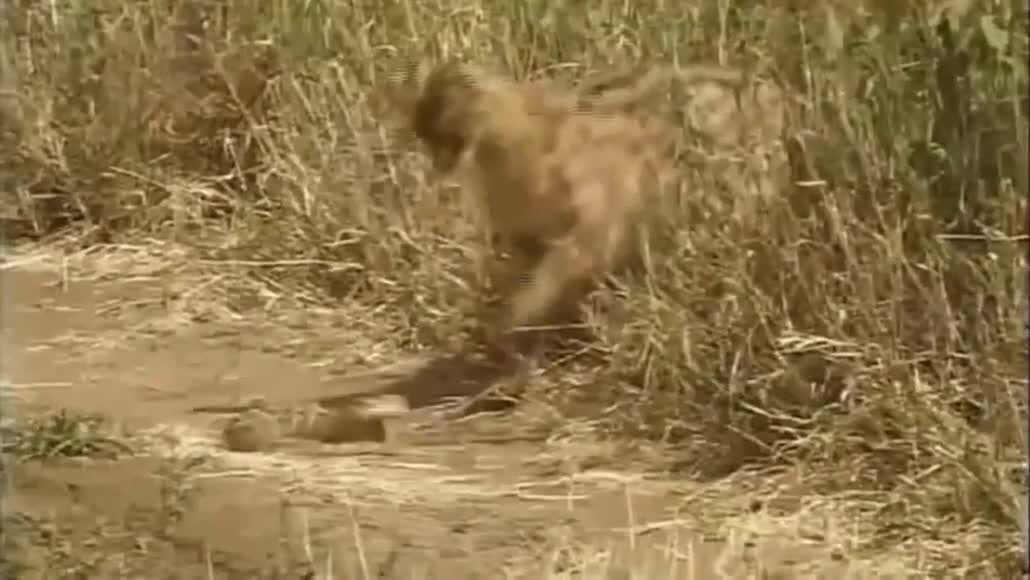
(868, 332)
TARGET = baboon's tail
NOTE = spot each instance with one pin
(598, 93)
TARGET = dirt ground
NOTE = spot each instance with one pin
(450, 502)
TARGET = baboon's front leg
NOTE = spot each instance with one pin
(507, 261)
(565, 273)
(546, 284)
(533, 292)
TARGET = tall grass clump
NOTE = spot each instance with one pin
(865, 322)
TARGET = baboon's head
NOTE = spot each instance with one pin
(442, 115)
(438, 105)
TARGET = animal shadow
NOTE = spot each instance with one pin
(471, 373)
(482, 372)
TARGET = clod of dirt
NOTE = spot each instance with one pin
(353, 419)
(256, 426)
(345, 425)
(251, 431)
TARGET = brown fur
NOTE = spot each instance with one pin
(560, 175)
(735, 122)
(557, 184)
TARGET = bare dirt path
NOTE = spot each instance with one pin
(445, 504)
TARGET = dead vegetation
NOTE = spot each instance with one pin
(60, 433)
(863, 324)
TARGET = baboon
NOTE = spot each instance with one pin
(560, 175)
